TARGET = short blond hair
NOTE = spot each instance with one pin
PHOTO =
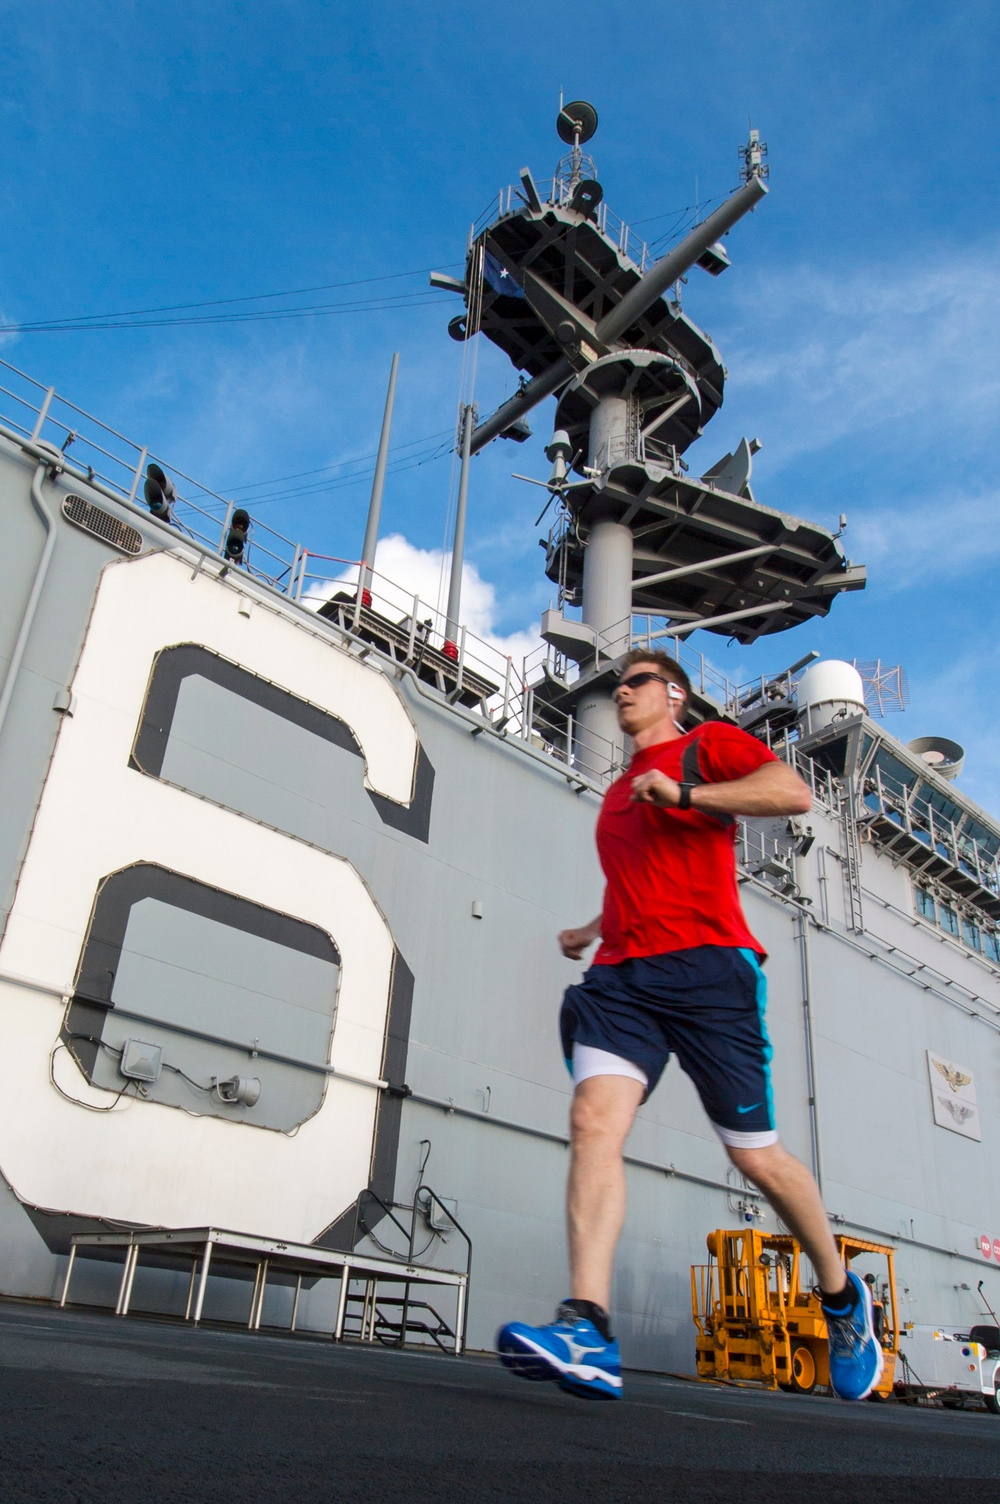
(668, 667)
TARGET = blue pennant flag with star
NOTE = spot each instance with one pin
(496, 275)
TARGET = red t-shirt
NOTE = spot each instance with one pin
(671, 874)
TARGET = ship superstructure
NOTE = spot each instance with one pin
(558, 283)
(283, 851)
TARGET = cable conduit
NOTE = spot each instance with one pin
(37, 584)
(873, 955)
(562, 1139)
(802, 925)
(66, 994)
(671, 1172)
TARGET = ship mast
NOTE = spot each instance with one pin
(564, 288)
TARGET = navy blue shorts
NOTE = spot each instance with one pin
(704, 1005)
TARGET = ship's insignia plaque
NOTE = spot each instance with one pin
(953, 1096)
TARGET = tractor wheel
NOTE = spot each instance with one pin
(993, 1400)
(803, 1371)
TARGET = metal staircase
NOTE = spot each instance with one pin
(394, 1320)
(385, 1309)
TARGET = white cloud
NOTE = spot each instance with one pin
(403, 570)
(887, 377)
(957, 703)
(842, 354)
(931, 540)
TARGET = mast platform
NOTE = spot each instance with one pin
(703, 553)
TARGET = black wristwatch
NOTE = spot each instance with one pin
(684, 802)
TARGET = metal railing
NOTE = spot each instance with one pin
(114, 465)
(558, 192)
(471, 670)
(414, 633)
(761, 690)
(639, 633)
(911, 809)
(426, 1203)
(826, 791)
(408, 629)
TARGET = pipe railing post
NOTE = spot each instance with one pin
(412, 639)
(203, 1281)
(43, 412)
(230, 509)
(506, 692)
(460, 677)
(69, 1274)
(133, 493)
(190, 1295)
(303, 571)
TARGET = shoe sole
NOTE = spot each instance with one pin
(594, 1389)
(537, 1366)
(527, 1365)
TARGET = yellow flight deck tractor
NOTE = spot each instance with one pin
(755, 1321)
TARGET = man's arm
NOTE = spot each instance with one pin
(772, 789)
(573, 943)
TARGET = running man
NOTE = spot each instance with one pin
(677, 972)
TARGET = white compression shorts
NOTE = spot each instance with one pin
(590, 1061)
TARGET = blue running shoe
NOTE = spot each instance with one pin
(569, 1352)
(855, 1352)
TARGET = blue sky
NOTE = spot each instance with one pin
(171, 154)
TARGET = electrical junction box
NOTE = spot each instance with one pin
(433, 1213)
(140, 1062)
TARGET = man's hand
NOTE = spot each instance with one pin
(655, 788)
(573, 943)
(772, 789)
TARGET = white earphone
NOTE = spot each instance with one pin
(677, 696)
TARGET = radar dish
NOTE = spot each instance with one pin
(576, 117)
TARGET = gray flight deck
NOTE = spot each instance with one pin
(99, 1411)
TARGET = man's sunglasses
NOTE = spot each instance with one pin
(636, 681)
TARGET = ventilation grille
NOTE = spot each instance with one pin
(102, 524)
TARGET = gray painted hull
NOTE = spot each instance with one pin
(470, 900)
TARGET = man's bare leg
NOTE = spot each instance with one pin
(603, 1110)
(794, 1194)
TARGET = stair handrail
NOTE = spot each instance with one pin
(388, 1211)
(432, 1195)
